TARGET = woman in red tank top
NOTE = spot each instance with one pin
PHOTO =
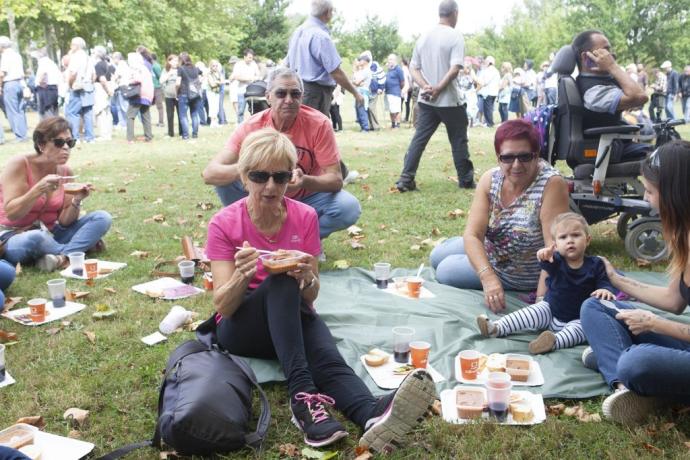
(39, 221)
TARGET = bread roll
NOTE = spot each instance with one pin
(496, 362)
(522, 412)
(376, 357)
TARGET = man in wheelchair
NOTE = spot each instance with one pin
(606, 89)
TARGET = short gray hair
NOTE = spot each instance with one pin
(99, 51)
(320, 7)
(283, 72)
(79, 42)
(447, 7)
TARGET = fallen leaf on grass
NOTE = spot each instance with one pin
(415, 247)
(393, 190)
(91, 336)
(140, 254)
(75, 295)
(353, 230)
(33, 420)
(11, 302)
(18, 269)
(608, 232)
(556, 409)
(77, 417)
(66, 323)
(581, 414)
(427, 242)
(168, 455)
(192, 326)
(310, 453)
(158, 201)
(181, 221)
(436, 407)
(643, 263)
(74, 434)
(453, 179)
(667, 426)
(435, 231)
(382, 227)
(365, 456)
(361, 451)
(159, 218)
(652, 448)
(454, 214)
(110, 290)
(53, 330)
(204, 206)
(341, 264)
(354, 244)
(288, 450)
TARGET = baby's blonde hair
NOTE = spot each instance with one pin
(569, 216)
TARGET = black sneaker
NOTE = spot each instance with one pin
(406, 185)
(311, 416)
(399, 412)
(467, 185)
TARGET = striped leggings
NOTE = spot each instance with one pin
(539, 317)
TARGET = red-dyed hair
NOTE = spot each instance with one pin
(518, 129)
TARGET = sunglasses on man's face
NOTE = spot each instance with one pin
(509, 158)
(261, 177)
(60, 143)
(282, 93)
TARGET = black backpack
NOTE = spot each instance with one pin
(205, 401)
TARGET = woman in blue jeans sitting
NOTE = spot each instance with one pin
(643, 357)
(38, 219)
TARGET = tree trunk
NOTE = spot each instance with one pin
(12, 27)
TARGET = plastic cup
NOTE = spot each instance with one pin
(56, 289)
(37, 310)
(419, 351)
(2, 362)
(76, 263)
(469, 364)
(414, 286)
(382, 272)
(402, 336)
(187, 271)
(208, 281)
(498, 388)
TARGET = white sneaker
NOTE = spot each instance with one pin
(351, 177)
(48, 263)
(627, 407)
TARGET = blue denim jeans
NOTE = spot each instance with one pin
(488, 110)
(670, 99)
(650, 364)
(241, 105)
(81, 236)
(7, 275)
(12, 98)
(74, 112)
(686, 108)
(455, 120)
(184, 105)
(336, 210)
(7, 453)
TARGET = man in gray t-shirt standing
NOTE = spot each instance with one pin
(436, 61)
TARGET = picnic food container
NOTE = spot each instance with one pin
(518, 367)
(17, 436)
(281, 261)
(72, 188)
(470, 402)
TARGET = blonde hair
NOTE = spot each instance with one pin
(569, 216)
(507, 67)
(266, 146)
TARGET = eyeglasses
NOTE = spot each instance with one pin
(261, 177)
(282, 93)
(654, 159)
(509, 158)
(60, 143)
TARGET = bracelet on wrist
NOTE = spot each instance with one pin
(483, 270)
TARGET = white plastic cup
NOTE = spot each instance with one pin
(187, 271)
(382, 273)
(402, 336)
(2, 362)
(56, 289)
(76, 262)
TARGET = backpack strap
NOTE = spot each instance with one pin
(124, 450)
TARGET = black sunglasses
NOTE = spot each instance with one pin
(282, 93)
(261, 177)
(509, 158)
(60, 143)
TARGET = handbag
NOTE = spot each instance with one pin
(131, 90)
(205, 401)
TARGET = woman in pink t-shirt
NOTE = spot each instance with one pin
(272, 316)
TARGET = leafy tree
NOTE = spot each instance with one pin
(380, 38)
(267, 29)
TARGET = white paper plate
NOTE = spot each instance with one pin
(67, 272)
(535, 379)
(384, 377)
(162, 284)
(450, 411)
(21, 315)
(61, 448)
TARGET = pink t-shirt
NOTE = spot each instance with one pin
(231, 226)
(311, 133)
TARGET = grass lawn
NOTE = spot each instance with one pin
(117, 376)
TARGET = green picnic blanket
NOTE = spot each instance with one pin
(360, 317)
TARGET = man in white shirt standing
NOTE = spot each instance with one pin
(11, 87)
(47, 80)
(489, 80)
(436, 61)
(244, 72)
